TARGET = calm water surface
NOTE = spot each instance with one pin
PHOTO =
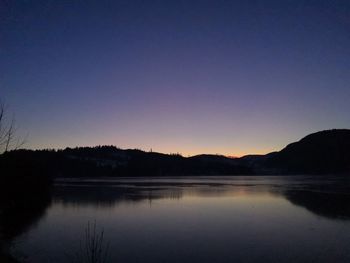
(197, 219)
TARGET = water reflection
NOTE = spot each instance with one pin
(324, 196)
(102, 195)
(18, 214)
(230, 219)
(329, 205)
(18, 219)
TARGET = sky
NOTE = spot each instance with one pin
(189, 77)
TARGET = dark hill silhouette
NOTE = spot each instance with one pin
(112, 161)
(318, 153)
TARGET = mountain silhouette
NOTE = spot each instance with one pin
(318, 153)
(325, 152)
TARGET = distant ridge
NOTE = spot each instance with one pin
(325, 152)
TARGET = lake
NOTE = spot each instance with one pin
(196, 219)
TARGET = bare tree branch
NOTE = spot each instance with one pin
(8, 138)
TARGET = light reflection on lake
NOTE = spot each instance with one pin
(198, 219)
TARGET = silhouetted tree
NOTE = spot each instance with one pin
(8, 138)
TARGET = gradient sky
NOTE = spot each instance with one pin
(227, 77)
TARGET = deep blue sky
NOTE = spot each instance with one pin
(229, 77)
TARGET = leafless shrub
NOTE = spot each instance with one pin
(93, 248)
